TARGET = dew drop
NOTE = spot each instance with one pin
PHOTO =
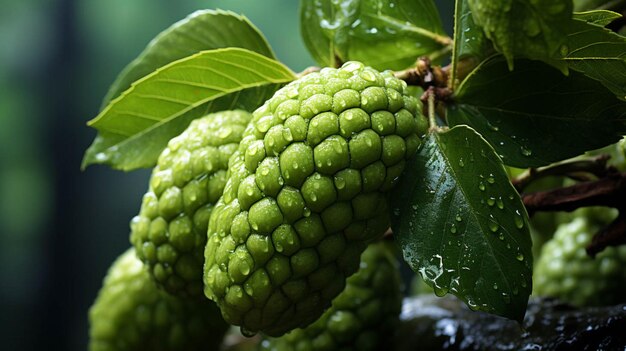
(495, 286)
(525, 151)
(287, 134)
(519, 257)
(506, 297)
(340, 183)
(306, 212)
(278, 246)
(492, 127)
(351, 66)
(244, 268)
(458, 218)
(368, 75)
(225, 132)
(493, 226)
(500, 203)
(453, 228)
(491, 201)
(491, 179)
(481, 186)
(461, 163)
(519, 221)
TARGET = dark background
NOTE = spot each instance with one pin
(60, 228)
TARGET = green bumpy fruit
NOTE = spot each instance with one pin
(132, 314)
(565, 271)
(361, 318)
(306, 194)
(169, 233)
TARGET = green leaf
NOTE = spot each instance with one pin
(470, 44)
(534, 115)
(137, 125)
(202, 30)
(462, 226)
(380, 33)
(597, 17)
(533, 29)
(598, 53)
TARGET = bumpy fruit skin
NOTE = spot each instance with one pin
(565, 271)
(132, 314)
(362, 317)
(306, 194)
(169, 233)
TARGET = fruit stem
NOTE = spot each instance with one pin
(432, 122)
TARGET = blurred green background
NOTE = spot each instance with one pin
(60, 228)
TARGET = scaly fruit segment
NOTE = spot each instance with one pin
(132, 314)
(362, 317)
(565, 271)
(169, 233)
(306, 194)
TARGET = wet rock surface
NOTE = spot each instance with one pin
(432, 323)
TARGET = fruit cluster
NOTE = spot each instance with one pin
(276, 209)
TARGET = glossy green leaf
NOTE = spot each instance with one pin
(384, 34)
(462, 226)
(137, 125)
(598, 53)
(202, 30)
(597, 17)
(534, 115)
(532, 29)
(470, 44)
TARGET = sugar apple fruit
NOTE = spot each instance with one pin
(169, 233)
(131, 314)
(565, 271)
(361, 318)
(306, 194)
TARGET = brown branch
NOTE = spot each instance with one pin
(613, 235)
(609, 191)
